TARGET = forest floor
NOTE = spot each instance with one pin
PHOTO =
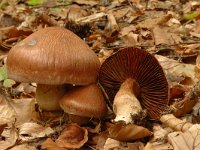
(169, 30)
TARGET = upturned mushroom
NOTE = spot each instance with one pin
(83, 103)
(134, 80)
(51, 57)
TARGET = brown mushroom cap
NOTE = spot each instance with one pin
(53, 55)
(86, 101)
(145, 69)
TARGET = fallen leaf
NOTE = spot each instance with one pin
(73, 136)
(102, 140)
(175, 68)
(160, 135)
(7, 114)
(11, 136)
(2, 126)
(29, 131)
(174, 123)
(23, 147)
(189, 140)
(136, 146)
(129, 132)
(111, 144)
(23, 109)
(51, 145)
(161, 37)
(76, 12)
(88, 2)
(148, 146)
(91, 18)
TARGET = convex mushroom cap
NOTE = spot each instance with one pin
(85, 101)
(53, 55)
(145, 70)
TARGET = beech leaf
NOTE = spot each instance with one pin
(129, 132)
(189, 140)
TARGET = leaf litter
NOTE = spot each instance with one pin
(168, 29)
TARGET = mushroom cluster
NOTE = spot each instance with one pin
(133, 79)
(53, 57)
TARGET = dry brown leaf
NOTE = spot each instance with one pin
(178, 69)
(102, 139)
(176, 124)
(91, 18)
(30, 131)
(111, 144)
(177, 91)
(165, 146)
(196, 110)
(112, 23)
(23, 109)
(75, 12)
(2, 126)
(160, 135)
(129, 132)
(136, 146)
(185, 107)
(88, 2)
(7, 114)
(11, 136)
(23, 147)
(198, 61)
(161, 37)
(189, 140)
(126, 30)
(51, 145)
(197, 29)
(130, 39)
(73, 136)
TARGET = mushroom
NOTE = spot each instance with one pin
(133, 79)
(84, 101)
(51, 57)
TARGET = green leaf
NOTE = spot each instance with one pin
(3, 73)
(190, 16)
(35, 2)
(8, 83)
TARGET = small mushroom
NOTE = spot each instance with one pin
(50, 57)
(133, 79)
(86, 101)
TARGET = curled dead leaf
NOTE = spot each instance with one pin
(10, 137)
(128, 132)
(51, 145)
(175, 123)
(73, 136)
(29, 131)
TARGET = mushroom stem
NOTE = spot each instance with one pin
(126, 105)
(47, 96)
